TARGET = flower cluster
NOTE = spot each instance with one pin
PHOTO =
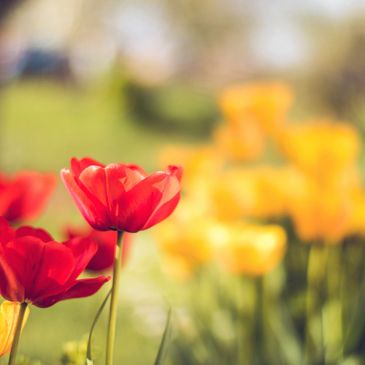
(312, 179)
(269, 192)
(35, 269)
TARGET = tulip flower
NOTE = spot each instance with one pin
(9, 312)
(105, 241)
(24, 196)
(201, 163)
(252, 250)
(122, 197)
(187, 244)
(38, 270)
(323, 149)
(241, 142)
(262, 103)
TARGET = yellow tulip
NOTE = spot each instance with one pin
(357, 224)
(189, 237)
(243, 142)
(262, 103)
(259, 192)
(8, 318)
(252, 250)
(324, 212)
(323, 149)
(196, 161)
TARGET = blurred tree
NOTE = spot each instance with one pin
(213, 36)
(338, 74)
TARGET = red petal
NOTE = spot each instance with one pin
(7, 233)
(105, 241)
(41, 269)
(10, 288)
(130, 175)
(170, 189)
(33, 232)
(83, 249)
(136, 206)
(94, 212)
(163, 212)
(176, 171)
(33, 191)
(104, 256)
(94, 180)
(77, 166)
(8, 194)
(82, 288)
(149, 202)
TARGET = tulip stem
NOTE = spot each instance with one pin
(258, 317)
(113, 311)
(18, 330)
(316, 267)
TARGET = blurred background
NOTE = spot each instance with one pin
(120, 81)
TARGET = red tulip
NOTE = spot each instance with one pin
(23, 196)
(122, 197)
(36, 269)
(105, 240)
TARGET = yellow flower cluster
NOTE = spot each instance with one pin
(326, 154)
(252, 112)
(307, 172)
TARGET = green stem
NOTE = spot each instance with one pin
(97, 316)
(258, 330)
(333, 311)
(315, 276)
(18, 330)
(114, 301)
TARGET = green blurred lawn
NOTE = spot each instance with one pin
(42, 125)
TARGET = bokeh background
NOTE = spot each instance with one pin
(120, 81)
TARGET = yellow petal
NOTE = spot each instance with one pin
(8, 318)
(252, 250)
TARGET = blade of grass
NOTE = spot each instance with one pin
(162, 351)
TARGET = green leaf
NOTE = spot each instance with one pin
(162, 351)
(89, 360)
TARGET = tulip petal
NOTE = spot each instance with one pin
(82, 288)
(83, 250)
(8, 195)
(7, 233)
(10, 286)
(133, 174)
(151, 201)
(162, 212)
(92, 210)
(77, 166)
(34, 232)
(136, 206)
(106, 242)
(32, 268)
(170, 189)
(104, 256)
(8, 319)
(32, 192)
(94, 180)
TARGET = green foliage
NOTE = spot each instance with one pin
(23, 360)
(172, 108)
(74, 353)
